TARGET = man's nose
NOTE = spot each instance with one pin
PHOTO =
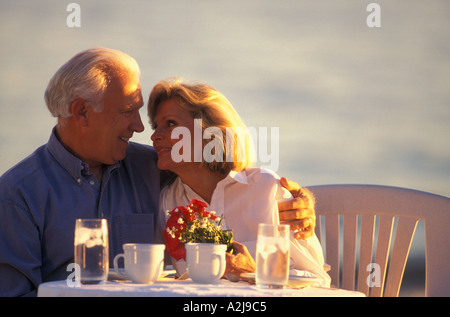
(138, 126)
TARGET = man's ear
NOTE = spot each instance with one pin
(80, 111)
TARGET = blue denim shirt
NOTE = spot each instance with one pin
(41, 197)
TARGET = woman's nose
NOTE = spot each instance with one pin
(156, 135)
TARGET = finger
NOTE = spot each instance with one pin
(228, 258)
(302, 235)
(240, 262)
(291, 215)
(291, 186)
(295, 214)
(239, 248)
(301, 224)
(295, 189)
(294, 203)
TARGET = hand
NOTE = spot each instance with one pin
(240, 261)
(298, 212)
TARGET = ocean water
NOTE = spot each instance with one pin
(353, 104)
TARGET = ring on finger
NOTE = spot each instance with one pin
(307, 222)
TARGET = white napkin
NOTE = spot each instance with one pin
(301, 273)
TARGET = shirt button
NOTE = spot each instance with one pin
(92, 183)
(79, 180)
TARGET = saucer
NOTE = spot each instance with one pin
(295, 281)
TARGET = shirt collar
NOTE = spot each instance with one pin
(187, 193)
(240, 177)
(73, 165)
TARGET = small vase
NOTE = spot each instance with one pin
(205, 261)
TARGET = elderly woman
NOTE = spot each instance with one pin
(222, 178)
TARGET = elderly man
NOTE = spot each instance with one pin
(88, 169)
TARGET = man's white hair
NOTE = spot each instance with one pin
(86, 76)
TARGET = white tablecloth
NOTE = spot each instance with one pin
(185, 288)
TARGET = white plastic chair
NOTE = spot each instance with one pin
(378, 208)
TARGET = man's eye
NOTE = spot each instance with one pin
(171, 123)
(128, 111)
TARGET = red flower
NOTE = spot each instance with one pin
(181, 218)
(172, 240)
(174, 246)
(200, 208)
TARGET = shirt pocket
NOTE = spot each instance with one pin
(132, 228)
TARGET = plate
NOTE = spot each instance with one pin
(113, 276)
(295, 281)
(301, 281)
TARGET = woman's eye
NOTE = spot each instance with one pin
(168, 124)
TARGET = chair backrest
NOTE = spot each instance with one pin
(381, 213)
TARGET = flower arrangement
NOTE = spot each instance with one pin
(194, 224)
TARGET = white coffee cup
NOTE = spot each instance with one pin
(205, 261)
(143, 262)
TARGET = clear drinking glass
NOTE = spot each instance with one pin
(272, 256)
(91, 250)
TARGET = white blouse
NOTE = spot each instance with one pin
(244, 199)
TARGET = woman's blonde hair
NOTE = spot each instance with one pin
(206, 103)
